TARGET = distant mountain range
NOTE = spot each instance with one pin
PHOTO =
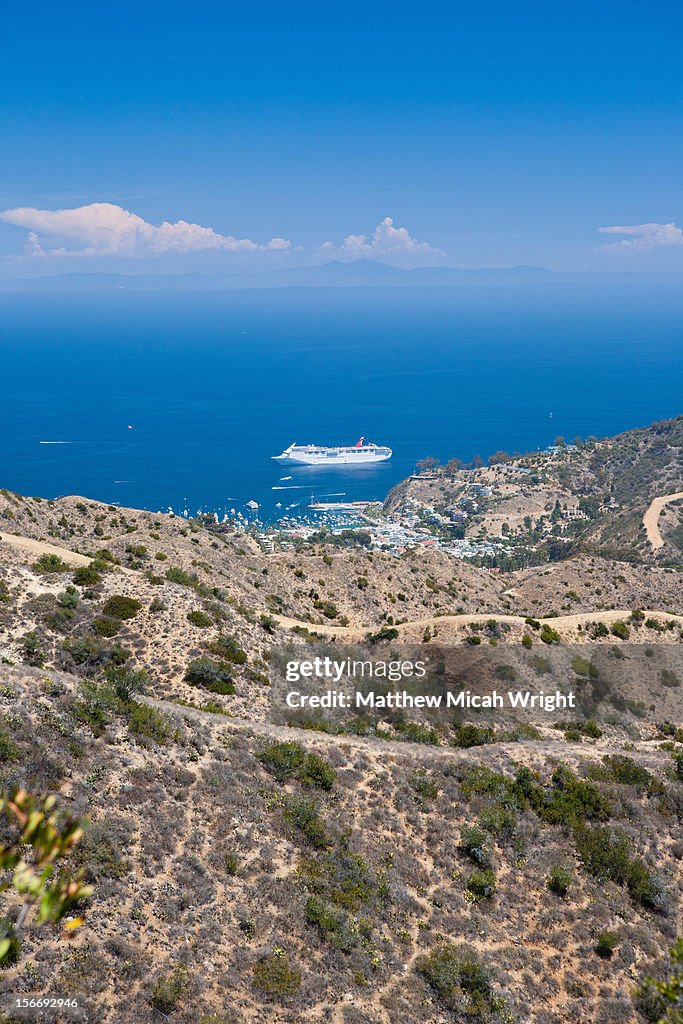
(335, 274)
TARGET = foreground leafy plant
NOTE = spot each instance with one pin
(49, 840)
(662, 1001)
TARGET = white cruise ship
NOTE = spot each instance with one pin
(359, 454)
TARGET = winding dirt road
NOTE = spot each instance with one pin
(651, 518)
(562, 623)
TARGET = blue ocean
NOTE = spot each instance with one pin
(162, 399)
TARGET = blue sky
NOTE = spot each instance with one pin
(492, 135)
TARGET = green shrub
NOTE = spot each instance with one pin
(91, 653)
(411, 732)
(227, 648)
(95, 706)
(383, 634)
(481, 885)
(86, 576)
(317, 772)
(342, 878)
(606, 943)
(669, 678)
(549, 635)
(50, 564)
(569, 801)
(274, 976)
(99, 852)
(628, 772)
(168, 989)
(303, 814)
(105, 555)
(137, 550)
(506, 672)
(527, 641)
(599, 630)
(176, 575)
(333, 923)
(559, 879)
(288, 760)
(606, 854)
(126, 682)
(283, 760)
(574, 730)
(476, 843)
(473, 736)
(106, 627)
(620, 630)
(231, 863)
(581, 665)
(68, 599)
(199, 618)
(424, 785)
(460, 981)
(215, 676)
(31, 649)
(146, 721)
(519, 733)
(120, 607)
(9, 751)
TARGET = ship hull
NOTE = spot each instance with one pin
(318, 455)
(330, 460)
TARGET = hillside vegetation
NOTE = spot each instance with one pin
(242, 864)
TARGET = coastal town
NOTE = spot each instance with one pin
(508, 511)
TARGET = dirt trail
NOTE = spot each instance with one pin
(647, 753)
(651, 518)
(562, 623)
(40, 547)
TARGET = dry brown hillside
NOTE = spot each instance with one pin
(375, 883)
(376, 870)
(190, 592)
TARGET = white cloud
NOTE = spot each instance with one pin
(644, 236)
(104, 229)
(385, 241)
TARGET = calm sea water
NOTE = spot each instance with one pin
(214, 385)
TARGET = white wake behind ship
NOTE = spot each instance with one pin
(359, 454)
